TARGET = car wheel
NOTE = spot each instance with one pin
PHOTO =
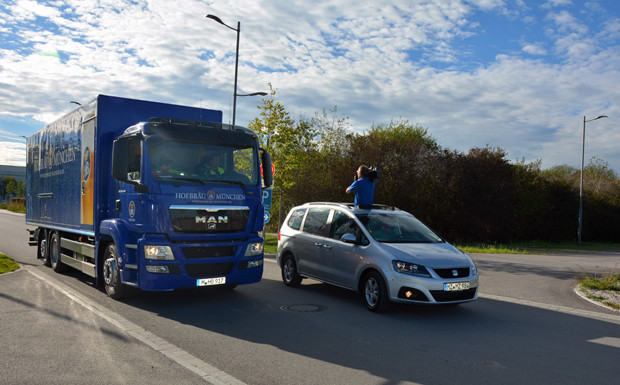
(54, 253)
(375, 293)
(111, 274)
(290, 277)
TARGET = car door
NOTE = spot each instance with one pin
(342, 259)
(310, 242)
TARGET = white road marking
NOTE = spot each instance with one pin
(207, 372)
(609, 341)
(562, 309)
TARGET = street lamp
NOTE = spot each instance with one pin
(238, 29)
(235, 94)
(583, 147)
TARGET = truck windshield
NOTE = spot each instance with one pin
(186, 162)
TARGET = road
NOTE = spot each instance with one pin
(527, 327)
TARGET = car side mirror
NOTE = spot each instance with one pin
(349, 238)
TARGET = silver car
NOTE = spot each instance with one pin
(384, 253)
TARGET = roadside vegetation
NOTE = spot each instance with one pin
(10, 187)
(7, 264)
(604, 288)
(477, 197)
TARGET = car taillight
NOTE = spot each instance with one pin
(278, 236)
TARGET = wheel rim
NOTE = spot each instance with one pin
(372, 292)
(42, 248)
(54, 252)
(109, 271)
(289, 270)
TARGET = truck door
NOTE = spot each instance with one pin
(88, 169)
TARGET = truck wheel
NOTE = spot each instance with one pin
(43, 250)
(111, 274)
(54, 253)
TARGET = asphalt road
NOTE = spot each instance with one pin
(527, 327)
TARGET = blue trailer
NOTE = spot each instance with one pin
(147, 195)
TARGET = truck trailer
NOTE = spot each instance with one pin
(147, 195)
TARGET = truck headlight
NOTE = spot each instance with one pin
(411, 269)
(254, 249)
(159, 253)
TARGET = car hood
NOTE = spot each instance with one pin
(437, 255)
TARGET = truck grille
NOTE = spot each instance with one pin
(187, 219)
(209, 269)
(209, 252)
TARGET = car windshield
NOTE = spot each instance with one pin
(200, 163)
(397, 228)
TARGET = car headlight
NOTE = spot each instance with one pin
(411, 269)
(159, 253)
(254, 249)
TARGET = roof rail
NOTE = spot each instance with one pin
(341, 204)
(375, 206)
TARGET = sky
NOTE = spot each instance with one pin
(515, 74)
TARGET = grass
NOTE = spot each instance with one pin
(608, 281)
(602, 288)
(7, 264)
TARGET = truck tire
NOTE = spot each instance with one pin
(54, 253)
(112, 275)
(43, 249)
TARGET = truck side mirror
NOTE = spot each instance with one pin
(124, 168)
(267, 176)
(120, 160)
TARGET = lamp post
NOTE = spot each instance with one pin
(238, 30)
(583, 147)
(235, 94)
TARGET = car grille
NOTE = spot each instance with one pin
(461, 272)
(209, 219)
(447, 296)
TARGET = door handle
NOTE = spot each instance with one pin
(327, 246)
(317, 244)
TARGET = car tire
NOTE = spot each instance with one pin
(54, 253)
(375, 292)
(112, 275)
(290, 276)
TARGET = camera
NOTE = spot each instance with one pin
(373, 173)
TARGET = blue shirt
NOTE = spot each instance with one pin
(364, 191)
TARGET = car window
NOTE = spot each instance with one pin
(398, 228)
(342, 224)
(294, 221)
(316, 222)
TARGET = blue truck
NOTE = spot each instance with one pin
(147, 195)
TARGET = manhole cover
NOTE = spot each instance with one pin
(303, 308)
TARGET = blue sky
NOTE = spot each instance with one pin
(515, 74)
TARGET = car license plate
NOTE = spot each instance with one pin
(211, 281)
(455, 286)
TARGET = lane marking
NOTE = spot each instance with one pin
(562, 309)
(208, 373)
(609, 341)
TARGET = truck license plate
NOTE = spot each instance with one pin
(456, 286)
(211, 281)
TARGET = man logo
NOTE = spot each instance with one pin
(201, 219)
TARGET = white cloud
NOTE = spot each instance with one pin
(375, 60)
(12, 154)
